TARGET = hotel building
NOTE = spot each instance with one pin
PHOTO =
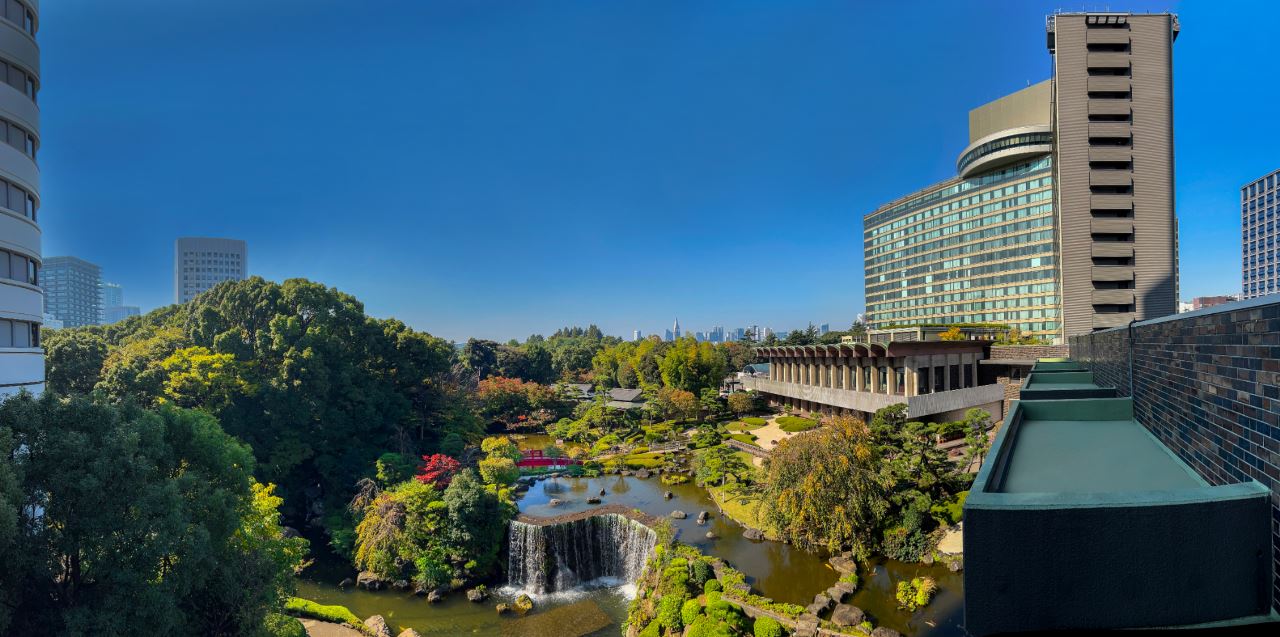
(200, 263)
(21, 299)
(1258, 237)
(1060, 218)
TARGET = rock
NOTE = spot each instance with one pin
(400, 585)
(523, 604)
(753, 534)
(846, 615)
(823, 601)
(503, 609)
(409, 632)
(477, 595)
(346, 583)
(377, 626)
(369, 581)
(815, 609)
(806, 626)
(643, 474)
(844, 565)
(837, 595)
(435, 596)
(679, 515)
(711, 536)
(288, 531)
(555, 502)
(668, 495)
(702, 516)
(419, 590)
(881, 631)
(593, 500)
(846, 588)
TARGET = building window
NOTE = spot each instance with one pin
(884, 378)
(938, 380)
(969, 380)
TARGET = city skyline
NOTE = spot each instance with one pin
(828, 167)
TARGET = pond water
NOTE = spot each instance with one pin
(774, 569)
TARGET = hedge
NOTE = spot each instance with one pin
(336, 614)
(795, 424)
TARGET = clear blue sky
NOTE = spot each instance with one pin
(502, 168)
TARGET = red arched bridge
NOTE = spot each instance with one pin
(535, 458)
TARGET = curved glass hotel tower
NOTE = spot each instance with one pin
(1060, 219)
(21, 299)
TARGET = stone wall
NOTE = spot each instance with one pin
(1027, 352)
(1207, 383)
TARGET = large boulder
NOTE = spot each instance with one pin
(881, 631)
(555, 502)
(369, 581)
(503, 609)
(679, 515)
(847, 588)
(593, 500)
(400, 585)
(435, 596)
(602, 492)
(668, 495)
(477, 595)
(846, 615)
(702, 517)
(822, 602)
(844, 563)
(377, 626)
(642, 474)
(711, 535)
(523, 604)
(836, 594)
(753, 534)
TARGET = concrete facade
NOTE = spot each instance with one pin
(936, 380)
(1258, 235)
(21, 298)
(200, 263)
(1207, 384)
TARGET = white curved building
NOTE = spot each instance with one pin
(21, 299)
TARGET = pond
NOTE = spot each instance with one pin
(774, 569)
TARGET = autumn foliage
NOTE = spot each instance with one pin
(438, 470)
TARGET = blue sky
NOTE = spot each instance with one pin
(496, 169)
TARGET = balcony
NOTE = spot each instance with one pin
(1112, 273)
(1110, 202)
(1110, 107)
(1110, 178)
(1108, 84)
(1106, 36)
(1113, 297)
(1110, 153)
(1111, 319)
(1110, 129)
(1107, 60)
(1112, 249)
(1103, 225)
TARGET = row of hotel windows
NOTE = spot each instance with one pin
(1015, 141)
(17, 267)
(18, 13)
(18, 78)
(18, 137)
(991, 219)
(1258, 202)
(993, 244)
(19, 334)
(928, 379)
(17, 199)
(989, 179)
(1261, 185)
(936, 217)
(895, 308)
(1026, 327)
(938, 270)
(1041, 216)
(1259, 228)
(1010, 316)
(970, 278)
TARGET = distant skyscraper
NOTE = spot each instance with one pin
(824, 328)
(72, 290)
(635, 335)
(201, 263)
(112, 295)
(1258, 236)
(667, 336)
(119, 313)
(21, 301)
(675, 329)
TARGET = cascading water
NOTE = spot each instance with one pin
(558, 557)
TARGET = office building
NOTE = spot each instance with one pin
(72, 290)
(635, 335)
(200, 263)
(1258, 236)
(675, 329)
(1060, 219)
(113, 308)
(21, 298)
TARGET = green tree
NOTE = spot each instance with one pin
(741, 403)
(717, 464)
(478, 517)
(480, 358)
(73, 360)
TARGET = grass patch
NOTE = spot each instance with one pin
(299, 607)
(745, 438)
(795, 424)
(755, 421)
(642, 460)
(741, 425)
(739, 509)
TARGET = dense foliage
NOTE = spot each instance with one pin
(116, 520)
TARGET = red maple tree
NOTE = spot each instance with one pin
(438, 470)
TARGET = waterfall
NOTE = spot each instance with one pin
(558, 557)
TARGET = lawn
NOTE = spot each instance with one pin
(642, 460)
(741, 510)
(743, 425)
(746, 438)
(755, 422)
(795, 424)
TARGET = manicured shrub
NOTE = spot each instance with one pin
(754, 421)
(707, 627)
(713, 597)
(767, 627)
(652, 630)
(669, 612)
(277, 625)
(712, 586)
(699, 573)
(690, 611)
(307, 608)
(795, 424)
